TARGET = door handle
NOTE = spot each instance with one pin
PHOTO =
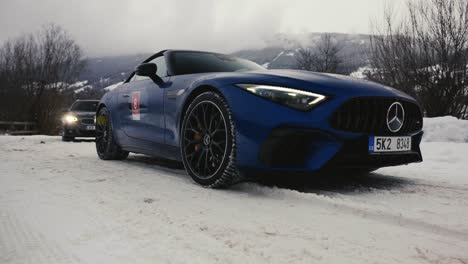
(125, 95)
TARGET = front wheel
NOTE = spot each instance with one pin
(106, 147)
(208, 142)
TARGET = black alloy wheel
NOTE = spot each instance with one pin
(207, 142)
(106, 147)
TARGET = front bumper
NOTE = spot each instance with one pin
(353, 155)
(272, 137)
(78, 130)
(305, 149)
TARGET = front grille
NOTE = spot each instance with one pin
(369, 115)
(87, 121)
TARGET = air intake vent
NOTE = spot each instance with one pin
(87, 121)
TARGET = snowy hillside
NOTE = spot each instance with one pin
(112, 86)
(281, 51)
(104, 71)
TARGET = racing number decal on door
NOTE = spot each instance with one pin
(136, 105)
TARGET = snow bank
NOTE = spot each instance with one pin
(445, 129)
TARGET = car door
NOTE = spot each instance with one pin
(144, 117)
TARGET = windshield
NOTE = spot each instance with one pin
(84, 106)
(188, 62)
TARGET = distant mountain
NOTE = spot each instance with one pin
(103, 71)
(279, 53)
(282, 51)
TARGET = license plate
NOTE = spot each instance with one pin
(389, 144)
(90, 127)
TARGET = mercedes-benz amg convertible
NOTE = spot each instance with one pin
(225, 117)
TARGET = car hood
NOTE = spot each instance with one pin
(331, 84)
(83, 114)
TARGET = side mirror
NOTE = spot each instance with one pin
(146, 69)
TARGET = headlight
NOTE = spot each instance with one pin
(297, 99)
(70, 119)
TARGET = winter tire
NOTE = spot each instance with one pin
(106, 147)
(208, 142)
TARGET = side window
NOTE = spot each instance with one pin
(136, 78)
(161, 64)
(161, 71)
(133, 78)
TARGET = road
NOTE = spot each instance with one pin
(60, 204)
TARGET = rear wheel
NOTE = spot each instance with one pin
(208, 142)
(106, 147)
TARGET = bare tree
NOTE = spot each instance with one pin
(304, 59)
(426, 54)
(324, 57)
(35, 70)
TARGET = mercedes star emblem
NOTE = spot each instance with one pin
(395, 117)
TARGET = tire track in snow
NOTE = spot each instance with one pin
(455, 188)
(400, 221)
(20, 243)
(342, 194)
(356, 208)
(345, 205)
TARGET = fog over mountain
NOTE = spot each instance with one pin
(116, 27)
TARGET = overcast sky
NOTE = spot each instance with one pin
(108, 27)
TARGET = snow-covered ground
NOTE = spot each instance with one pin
(60, 204)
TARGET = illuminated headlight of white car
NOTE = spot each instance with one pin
(70, 119)
(297, 99)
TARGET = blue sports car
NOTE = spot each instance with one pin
(224, 117)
